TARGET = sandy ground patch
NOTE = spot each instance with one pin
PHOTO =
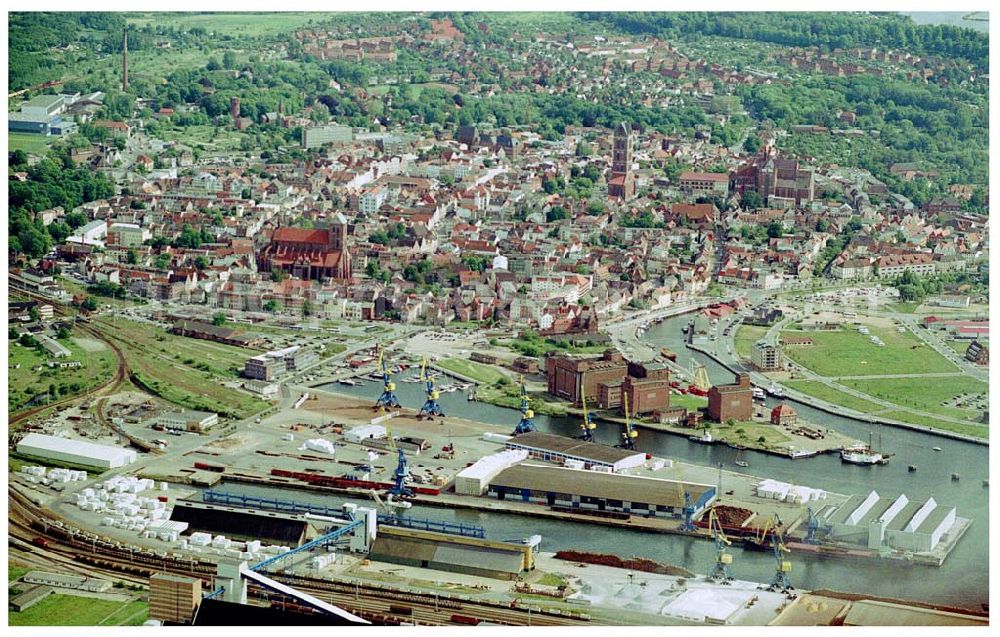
(90, 344)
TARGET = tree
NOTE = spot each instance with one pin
(307, 308)
(200, 262)
(229, 60)
(63, 333)
(12, 333)
(271, 306)
(775, 229)
(556, 213)
(750, 200)
(751, 144)
(132, 257)
(219, 319)
(89, 304)
(34, 314)
(822, 225)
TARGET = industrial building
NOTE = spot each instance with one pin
(731, 402)
(599, 491)
(563, 450)
(316, 136)
(189, 420)
(173, 598)
(65, 580)
(241, 523)
(457, 554)
(605, 379)
(77, 452)
(52, 346)
(890, 522)
(475, 479)
(41, 115)
(270, 365)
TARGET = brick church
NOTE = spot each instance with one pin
(309, 253)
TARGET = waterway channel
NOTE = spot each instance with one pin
(963, 580)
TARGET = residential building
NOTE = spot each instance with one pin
(765, 357)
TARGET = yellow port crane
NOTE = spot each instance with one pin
(630, 434)
(720, 571)
(588, 425)
(782, 567)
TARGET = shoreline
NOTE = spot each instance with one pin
(846, 412)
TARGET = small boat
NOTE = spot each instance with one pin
(955, 477)
(911, 468)
(937, 448)
(684, 329)
(758, 394)
(705, 438)
(742, 463)
(347, 381)
(775, 391)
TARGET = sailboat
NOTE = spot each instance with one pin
(740, 462)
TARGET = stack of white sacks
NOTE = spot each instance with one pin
(36, 474)
(318, 444)
(221, 545)
(118, 498)
(323, 560)
(776, 490)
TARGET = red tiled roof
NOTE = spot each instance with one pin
(301, 235)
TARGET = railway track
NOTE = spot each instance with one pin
(86, 552)
(111, 386)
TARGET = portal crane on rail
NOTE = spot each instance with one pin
(527, 422)
(388, 399)
(399, 477)
(720, 571)
(630, 434)
(431, 406)
(688, 524)
(782, 567)
(588, 425)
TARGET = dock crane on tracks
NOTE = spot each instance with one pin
(720, 571)
(527, 422)
(388, 399)
(588, 425)
(630, 434)
(688, 524)
(431, 406)
(782, 567)
(812, 527)
(399, 488)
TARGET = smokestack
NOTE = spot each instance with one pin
(125, 59)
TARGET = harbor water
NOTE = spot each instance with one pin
(963, 579)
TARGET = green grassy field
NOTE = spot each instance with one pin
(821, 391)
(249, 24)
(15, 572)
(750, 432)
(688, 401)
(904, 307)
(925, 394)
(28, 142)
(72, 610)
(24, 382)
(850, 353)
(979, 431)
(745, 337)
(184, 371)
(483, 374)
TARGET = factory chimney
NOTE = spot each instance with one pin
(125, 59)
